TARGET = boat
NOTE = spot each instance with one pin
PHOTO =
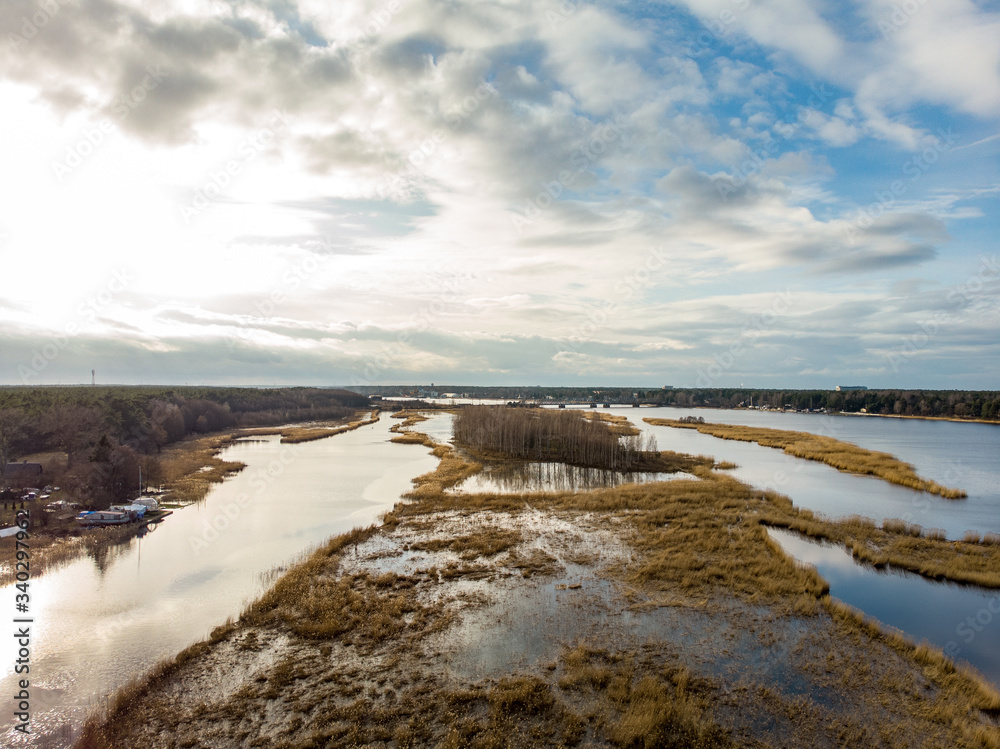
(103, 517)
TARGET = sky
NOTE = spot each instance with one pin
(710, 193)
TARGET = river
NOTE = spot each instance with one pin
(966, 456)
(99, 623)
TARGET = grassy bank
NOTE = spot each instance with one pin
(296, 434)
(903, 546)
(844, 456)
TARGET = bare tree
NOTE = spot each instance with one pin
(12, 423)
(72, 428)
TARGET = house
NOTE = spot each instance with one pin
(21, 475)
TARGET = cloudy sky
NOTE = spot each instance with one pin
(698, 192)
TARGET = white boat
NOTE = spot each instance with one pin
(150, 503)
(102, 517)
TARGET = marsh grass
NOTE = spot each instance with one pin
(844, 456)
(696, 543)
(297, 434)
(900, 545)
(192, 466)
(978, 693)
(617, 423)
(487, 542)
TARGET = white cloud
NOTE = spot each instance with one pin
(488, 178)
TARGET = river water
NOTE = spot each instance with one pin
(965, 456)
(962, 620)
(99, 623)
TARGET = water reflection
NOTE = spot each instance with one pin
(962, 620)
(960, 455)
(100, 621)
(555, 477)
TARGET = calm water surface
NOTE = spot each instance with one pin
(555, 477)
(961, 620)
(99, 623)
(966, 456)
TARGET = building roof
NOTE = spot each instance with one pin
(17, 470)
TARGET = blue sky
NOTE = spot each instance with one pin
(701, 192)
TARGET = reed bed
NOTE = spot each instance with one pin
(901, 545)
(844, 456)
(296, 434)
(192, 466)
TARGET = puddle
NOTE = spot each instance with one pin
(555, 477)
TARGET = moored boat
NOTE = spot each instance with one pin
(103, 517)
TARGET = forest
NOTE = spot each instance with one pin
(107, 433)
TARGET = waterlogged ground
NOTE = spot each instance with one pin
(527, 477)
(515, 628)
(639, 615)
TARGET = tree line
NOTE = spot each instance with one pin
(963, 404)
(968, 404)
(111, 433)
(544, 435)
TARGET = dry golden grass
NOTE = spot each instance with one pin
(409, 418)
(899, 544)
(977, 693)
(315, 602)
(486, 543)
(452, 469)
(295, 435)
(844, 456)
(617, 423)
(190, 467)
